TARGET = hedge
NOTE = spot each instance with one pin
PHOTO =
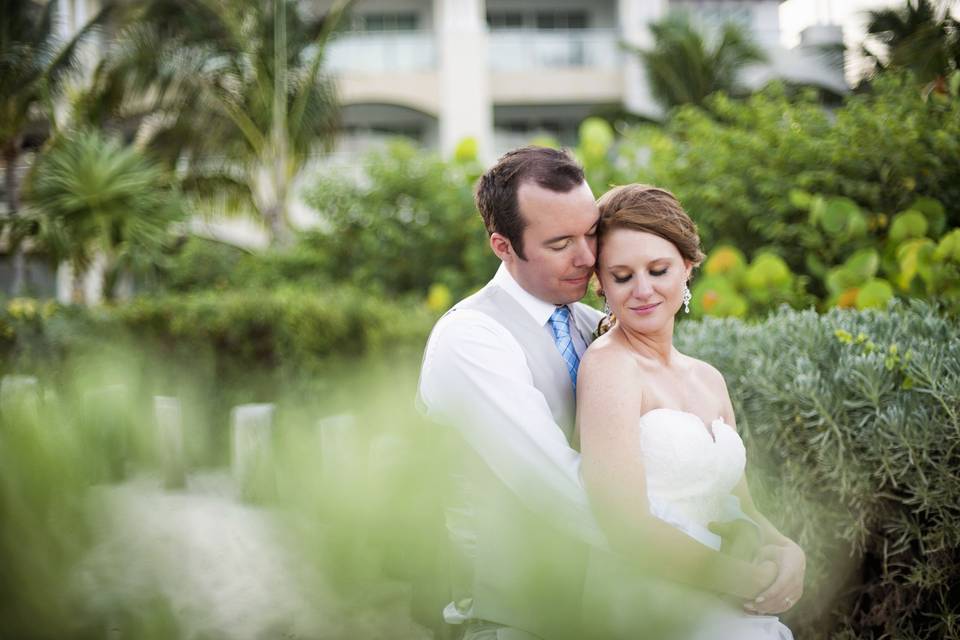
(852, 421)
(290, 328)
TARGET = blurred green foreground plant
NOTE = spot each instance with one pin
(850, 419)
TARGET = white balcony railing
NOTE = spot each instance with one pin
(382, 52)
(526, 49)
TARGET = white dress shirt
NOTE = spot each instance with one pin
(475, 377)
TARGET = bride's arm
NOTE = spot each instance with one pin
(790, 558)
(609, 405)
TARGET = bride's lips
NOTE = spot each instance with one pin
(645, 308)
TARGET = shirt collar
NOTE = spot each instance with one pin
(539, 310)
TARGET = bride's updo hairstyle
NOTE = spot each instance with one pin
(641, 207)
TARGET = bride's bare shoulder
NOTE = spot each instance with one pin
(607, 354)
(708, 374)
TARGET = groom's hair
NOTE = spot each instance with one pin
(496, 194)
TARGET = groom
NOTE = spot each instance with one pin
(501, 368)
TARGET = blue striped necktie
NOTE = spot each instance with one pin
(560, 324)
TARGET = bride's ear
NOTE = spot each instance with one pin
(688, 270)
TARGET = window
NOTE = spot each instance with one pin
(379, 22)
(561, 20)
(541, 20)
(497, 20)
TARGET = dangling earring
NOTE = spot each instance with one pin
(607, 320)
(687, 297)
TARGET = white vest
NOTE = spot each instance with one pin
(509, 565)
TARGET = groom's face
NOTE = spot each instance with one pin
(559, 242)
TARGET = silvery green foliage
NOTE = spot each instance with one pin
(852, 423)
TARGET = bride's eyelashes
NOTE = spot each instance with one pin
(655, 273)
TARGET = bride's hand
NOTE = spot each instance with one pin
(788, 585)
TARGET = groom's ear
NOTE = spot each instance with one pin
(502, 247)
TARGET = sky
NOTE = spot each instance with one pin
(796, 15)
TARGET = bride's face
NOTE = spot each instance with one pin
(642, 276)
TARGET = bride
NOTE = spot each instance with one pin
(662, 460)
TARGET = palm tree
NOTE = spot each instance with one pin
(233, 92)
(88, 194)
(919, 36)
(34, 64)
(685, 65)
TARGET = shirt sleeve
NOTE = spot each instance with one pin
(475, 378)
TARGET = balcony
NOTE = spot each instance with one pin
(527, 49)
(378, 53)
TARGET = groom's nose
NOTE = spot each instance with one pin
(585, 255)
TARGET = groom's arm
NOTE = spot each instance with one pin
(475, 378)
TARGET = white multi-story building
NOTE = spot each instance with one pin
(502, 71)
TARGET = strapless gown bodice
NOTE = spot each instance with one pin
(691, 470)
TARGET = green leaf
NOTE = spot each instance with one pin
(466, 150)
(842, 217)
(874, 294)
(913, 257)
(934, 212)
(768, 271)
(840, 279)
(596, 138)
(863, 263)
(908, 224)
(948, 249)
(717, 296)
(815, 265)
(725, 260)
(800, 199)
(818, 208)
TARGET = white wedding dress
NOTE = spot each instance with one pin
(691, 470)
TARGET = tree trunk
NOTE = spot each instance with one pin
(78, 294)
(280, 235)
(11, 153)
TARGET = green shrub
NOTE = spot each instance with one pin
(729, 287)
(278, 327)
(242, 331)
(853, 426)
(747, 172)
(201, 264)
(734, 165)
(408, 224)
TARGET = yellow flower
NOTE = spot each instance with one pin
(724, 260)
(22, 308)
(439, 297)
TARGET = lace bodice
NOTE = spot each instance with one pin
(690, 469)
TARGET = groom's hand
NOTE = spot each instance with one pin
(740, 538)
(788, 586)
